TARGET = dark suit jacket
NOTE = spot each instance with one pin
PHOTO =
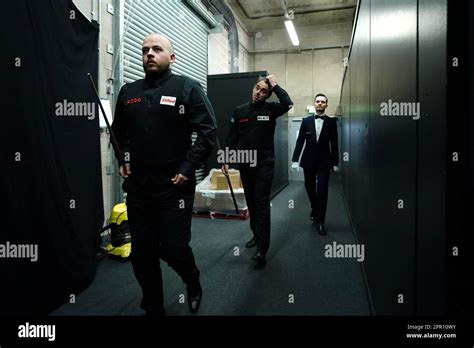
(317, 154)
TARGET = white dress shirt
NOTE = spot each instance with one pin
(318, 124)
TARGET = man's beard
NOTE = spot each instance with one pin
(157, 70)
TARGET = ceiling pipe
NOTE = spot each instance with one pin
(203, 12)
(223, 8)
(349, 7)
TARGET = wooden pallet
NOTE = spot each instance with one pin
(244, 215)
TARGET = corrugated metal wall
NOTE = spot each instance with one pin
(187, 32)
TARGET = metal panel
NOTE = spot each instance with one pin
(395, 50)
(459, 233)
(471, 131)
(346, 134)
(431, 157)
(469, 232)
(360, 109)
(380, 182)
(391, 255)
(280, 179)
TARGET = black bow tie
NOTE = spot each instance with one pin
(317, 116)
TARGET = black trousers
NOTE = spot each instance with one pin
(257, 182)
(160, 224)
(316, 182)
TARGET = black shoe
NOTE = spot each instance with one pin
(251, 243)
(194, 291)
(321, 229)
(259, 257)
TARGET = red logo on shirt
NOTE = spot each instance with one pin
(132, 101)
(243, 120)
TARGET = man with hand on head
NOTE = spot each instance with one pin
(321, 153)
(252, 128)
(153, 123)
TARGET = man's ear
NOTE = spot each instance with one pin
(172, 58)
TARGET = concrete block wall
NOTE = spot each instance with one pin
(274, 63)
(316, 67)
(246, 47)
(218, 53)
(312, 36)
(300, 85)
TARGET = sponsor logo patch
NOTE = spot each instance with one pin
(132, 101)
(165, 100)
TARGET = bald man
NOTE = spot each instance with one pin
(153, 123)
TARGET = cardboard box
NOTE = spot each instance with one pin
(219, 181)
(209, 199)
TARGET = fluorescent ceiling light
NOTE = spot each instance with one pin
(292, 32)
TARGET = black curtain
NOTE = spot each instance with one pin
(50, 155)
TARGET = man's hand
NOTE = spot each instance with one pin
(225, 169)
(295, 165)
(179, 179)
(125, 171)
(335, 168)
(271, 80)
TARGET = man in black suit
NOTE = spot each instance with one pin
(320, 154)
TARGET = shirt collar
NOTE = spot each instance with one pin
(155, 81)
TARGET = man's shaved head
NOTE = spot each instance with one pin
(163, 39)
(157, 54)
